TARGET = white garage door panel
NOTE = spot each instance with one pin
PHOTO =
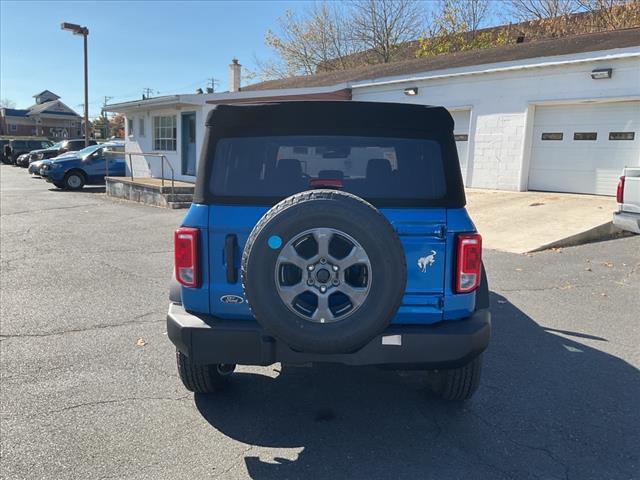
(583, 166)
(461, 119)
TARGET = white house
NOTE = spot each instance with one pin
(555, 115)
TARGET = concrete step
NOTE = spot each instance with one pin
(176, 205)
(179, 197)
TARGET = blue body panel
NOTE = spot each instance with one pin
(427, 235)
(94, 169)
(196, 300)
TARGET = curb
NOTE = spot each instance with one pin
(606, 231)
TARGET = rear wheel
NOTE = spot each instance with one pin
(203, 378)
(74, 181)
(58, 184)
(458, 383)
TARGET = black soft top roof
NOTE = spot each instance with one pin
(320, 115)
(333, 118)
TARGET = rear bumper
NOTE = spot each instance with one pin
(627, 221)
(208, 340)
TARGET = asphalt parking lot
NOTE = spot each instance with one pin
(89, 387)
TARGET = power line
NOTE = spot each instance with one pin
(106, 100)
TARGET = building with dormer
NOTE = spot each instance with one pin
(47, 117)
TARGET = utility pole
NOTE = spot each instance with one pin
(212, 84)
(147, 92)
(105, 119)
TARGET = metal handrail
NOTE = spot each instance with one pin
(162, 160)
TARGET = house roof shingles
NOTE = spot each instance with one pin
(543, 48)
(15, 112)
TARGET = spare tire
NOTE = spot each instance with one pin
(324, 272)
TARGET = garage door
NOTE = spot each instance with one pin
(583, 148)
(461, 131)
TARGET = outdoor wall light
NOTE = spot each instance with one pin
(600, 73)
(411, 91)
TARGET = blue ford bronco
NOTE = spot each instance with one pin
(329, 232)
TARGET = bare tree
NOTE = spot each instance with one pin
(473, 13)
(523, 10)
(452, 16)
(613, 13)
(381, 25)
(7, 103)
(454, 27)
(320, 36)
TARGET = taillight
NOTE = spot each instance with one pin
(185, 242)
(620, 190)
(468, 262)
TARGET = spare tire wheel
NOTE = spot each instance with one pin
(324, 272)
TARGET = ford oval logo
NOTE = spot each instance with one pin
(233, 299)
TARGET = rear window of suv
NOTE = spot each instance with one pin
(380, 169)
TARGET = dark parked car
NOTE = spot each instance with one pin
(3, 143)
(53, 151)
(22, 146)
(72, 171)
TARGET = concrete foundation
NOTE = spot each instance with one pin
(150, 192)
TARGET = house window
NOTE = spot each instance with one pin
(13, 127)
(552, 136)
(622, 135)
(130, 126)
(164, 133)
(141, 126)
(585, 136)
(461, 137)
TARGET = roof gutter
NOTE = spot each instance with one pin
(495, 70)
(151, 102)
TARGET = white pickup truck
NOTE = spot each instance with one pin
(628, 196)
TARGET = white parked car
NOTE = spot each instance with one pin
(628, 196)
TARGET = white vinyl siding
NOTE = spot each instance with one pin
(141, 127)
(164, 133)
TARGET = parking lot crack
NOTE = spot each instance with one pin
(112, 401)
(541, 449)
(567, 286)
(49, 209)
(234, 462)
(86, 329)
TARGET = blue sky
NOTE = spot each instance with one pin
(172, 47)
(168, 46)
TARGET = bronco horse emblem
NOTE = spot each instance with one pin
(426, 261)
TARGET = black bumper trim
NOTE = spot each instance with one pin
(209, 340)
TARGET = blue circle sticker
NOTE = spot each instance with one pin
(274, 241)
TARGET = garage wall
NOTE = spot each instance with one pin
(500, 102)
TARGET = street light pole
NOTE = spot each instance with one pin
(86, 90)
(84, 31)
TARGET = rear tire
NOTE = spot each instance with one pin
(58, 185)
(458, 383)
(202, 378)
